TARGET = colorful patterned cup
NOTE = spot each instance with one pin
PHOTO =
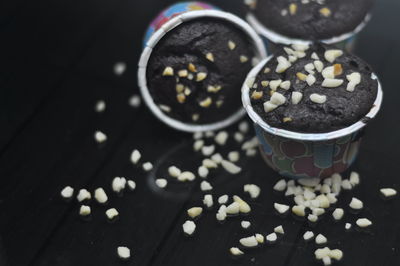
(345, 41)
(166, 21)
(303, 155)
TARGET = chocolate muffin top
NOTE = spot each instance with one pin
(313, 89)
(196, 71)
(310, 19)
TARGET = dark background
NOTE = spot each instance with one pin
(56, 61)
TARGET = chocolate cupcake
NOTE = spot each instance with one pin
(309, 105)
(288, 21)
(313, 89)
(194, 64)
(195, 72)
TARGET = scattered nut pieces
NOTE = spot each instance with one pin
(271, 238)
(331, 55)
(131, 185)
(354, 79)
(135, 101)
(208, 200)
(296, 97)
(292, 8)
(332, 83)
(119, 68)
(201, 76)
(186, 176)
(100, 106)
(354, 178)
(206, 102)
(234, 156)
(213, 162)
(221, 138)
(347, 226)
(326, 12)
(338, 214)
(205, 186)
(256, 95)
(208, 150)
(249, 242)
(233, 208)
(243, 59)
(231, 45)
(283, 64)
(202, 171)
(118, 184)
(174, 171)
(243, 206)
(299, 210)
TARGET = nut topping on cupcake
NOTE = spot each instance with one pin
(325, 89)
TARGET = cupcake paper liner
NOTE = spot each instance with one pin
(299, 155)
(271, 39)
(166, 21)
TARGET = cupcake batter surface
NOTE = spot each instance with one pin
(313, 89)
(196, 71)
(310, 19)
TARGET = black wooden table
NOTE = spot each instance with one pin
(57, 60)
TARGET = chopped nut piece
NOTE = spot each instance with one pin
(281, 208)
(285, 85)
(112, 213)
(243, 59)
(221, 138)
(280, 185)
(299, 210)
(179, 88)
(208, 150)
(189, 227)
(244, 127)
(231, 45)
(317, 98)
(186, 176)
(168, 71)
(181, 98)
(338, 214)
(84, 210)
(264, 83)
(202, 171)
(208, 200)
(147, 166)
(274, 84)
(206, 102)
(233, 208)
(253, 190)
(210, 163)
(296, 97)
(214, 89)
(320, 239)
(205, 186)
(161, 182)
(308, 235)
(118, 184)
(230, 167)
(223, 199)
(310, 68)
(267, 70)
(210, 57)
(319, 66)
(323, 201)
(165, 108)
(331, 55)
(250, 241)
(354, 79)
(332, 83)
(346, 185)
(326, 12)
(388, 192)
(347, 226)
(243, 206)
(131, 185)
(314, 56)
(183, 73)
(100, 106)
(174, 171)
(312, 218)
(283, 64)
(277, 98)
(301, 76)
(292, 9)
(354, 178)
(124, 253)
(259, 238)
(235, 251)
(287, 119)
(310, 80)
(279, 230)
(100, 137)
(100, 195)
(67, 192)
(194, 212)
(337, 69)
(192, 67)
(271, 238)
(256, 95)
(201, 76)
(245, 224)
(356, 204)
(322, 253)
(363, 222)
(234, 156)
